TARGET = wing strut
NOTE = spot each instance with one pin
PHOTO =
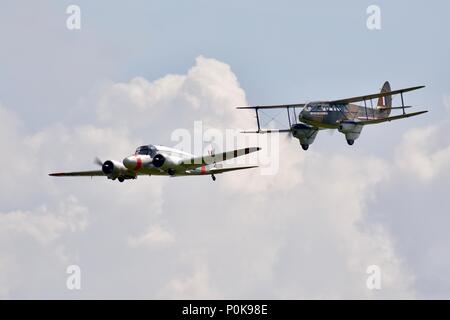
(373, 110)
(257, 120)
(281, 106)
(289, 117)
(403, 104)
(365, 108)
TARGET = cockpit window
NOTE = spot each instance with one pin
(320, 107)
(146, 150)
(316, 107)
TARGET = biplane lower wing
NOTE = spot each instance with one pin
(267, 131)
(395, 108)
(375, 121)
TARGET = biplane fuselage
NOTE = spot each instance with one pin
(330, 116)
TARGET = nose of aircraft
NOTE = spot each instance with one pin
(132, 162)
(301, 114)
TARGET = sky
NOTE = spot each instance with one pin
(140, 72)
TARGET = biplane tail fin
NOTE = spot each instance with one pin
(385, 102)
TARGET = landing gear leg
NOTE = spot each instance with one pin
(350, 142)
(213, 177)
(305, 146)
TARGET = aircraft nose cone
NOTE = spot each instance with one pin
(130, 162)
(300, 116)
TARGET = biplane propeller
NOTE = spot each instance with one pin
(344, 115)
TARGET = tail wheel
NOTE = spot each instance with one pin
(305, 146)
(350, 142)
(121, 179)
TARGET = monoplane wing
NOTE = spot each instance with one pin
(222, 170)
(78, 174)
(213, 158)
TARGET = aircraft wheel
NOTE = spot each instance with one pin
(121, 179)
(350, 142)
(213, 177)
(305, 146)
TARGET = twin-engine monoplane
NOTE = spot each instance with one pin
(344, 115)
(163, 161)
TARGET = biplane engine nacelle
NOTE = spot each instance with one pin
(306, 134)
(351, 130)
(113, 169)
(165, 163)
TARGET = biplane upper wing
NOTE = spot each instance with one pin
(277, 106)
(375, 95)
(406, 115)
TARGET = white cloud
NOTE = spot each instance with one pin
(447, 102)
(33, 245)
(194, 286)
(44, 226)
(424, 152)
(209, 87)
(156, 236)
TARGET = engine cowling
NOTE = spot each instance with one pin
(113, 169)
(351, 130)
(306, 134)
(159, 160)
(164, 163)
